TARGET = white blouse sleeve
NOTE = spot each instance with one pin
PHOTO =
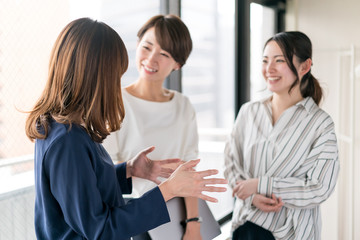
(191, 141)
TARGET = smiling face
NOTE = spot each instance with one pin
(276, 72)
(153, 63)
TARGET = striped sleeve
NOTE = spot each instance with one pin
(320, 178)
(234, 162)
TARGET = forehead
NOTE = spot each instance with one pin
(272, 49)
(150, 36)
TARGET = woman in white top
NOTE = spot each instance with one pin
(282, 157)
(156, 116)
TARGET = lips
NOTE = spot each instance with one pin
(273, 79)
(152, 70)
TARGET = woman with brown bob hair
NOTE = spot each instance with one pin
(78, 188)
(156, 115)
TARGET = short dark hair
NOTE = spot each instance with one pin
(84, 82)
(295, 43)
(172, 35)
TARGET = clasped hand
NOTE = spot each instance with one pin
(266, 204)
(245, 188)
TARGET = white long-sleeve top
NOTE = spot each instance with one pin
(296, 159)
(169, 126)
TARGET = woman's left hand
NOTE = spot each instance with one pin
(245, 188)
(266, 204)
(192, 231)
(143, 167)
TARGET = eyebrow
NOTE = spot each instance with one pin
(274, 56)
(149, 42)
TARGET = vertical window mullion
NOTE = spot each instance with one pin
(172, 7)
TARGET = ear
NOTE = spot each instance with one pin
(177, 67)
(305, 67)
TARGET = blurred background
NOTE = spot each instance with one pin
(222, 72)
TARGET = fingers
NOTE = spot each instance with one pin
(148, 150)
(274, 199)
(207, 198)
(190, 164)
(278, 201)
(268, 201)
(235, 190)
(166, 172)
(169, 161)
(208, 181)
(214, 189)
(269, 208)
(207, 173)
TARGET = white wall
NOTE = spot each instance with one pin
(334, 26)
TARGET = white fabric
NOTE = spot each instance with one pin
(296, 159)
(169, 126)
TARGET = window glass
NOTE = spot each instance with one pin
(127, 19)
(262, 27)
(208, 80)
(28, 30)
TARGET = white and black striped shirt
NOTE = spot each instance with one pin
(296, 159)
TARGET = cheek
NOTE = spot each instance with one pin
(291, 75)
(263, 71)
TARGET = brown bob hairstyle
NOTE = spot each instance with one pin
(172, 35)
(295, 43)
(84, 81)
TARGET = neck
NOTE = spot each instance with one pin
(151, 91)
(281, 102)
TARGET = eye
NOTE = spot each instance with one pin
(280, 60)
(165, 55)
(264, 61)
(146, 47)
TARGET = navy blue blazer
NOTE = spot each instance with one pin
(79, 191)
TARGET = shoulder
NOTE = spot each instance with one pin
(64, 137)
(322, 118)
(251, 107)
(182, 101)
(317, 113)
(316, 118)
(179, 97)
(126, 96)
(64, 147)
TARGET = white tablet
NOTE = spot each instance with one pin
(173, 230)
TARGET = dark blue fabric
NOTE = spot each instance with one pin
(79, 191)
(251, 231)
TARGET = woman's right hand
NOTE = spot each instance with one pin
(186, 182)
(266, 204)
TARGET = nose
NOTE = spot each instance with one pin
(270, 66)
(152, 57)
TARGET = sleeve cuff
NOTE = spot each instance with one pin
(125, 183)
(155, 198)
(265, 186)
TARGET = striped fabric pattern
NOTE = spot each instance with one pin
(296, 159)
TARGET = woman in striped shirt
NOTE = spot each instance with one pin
(282, 157)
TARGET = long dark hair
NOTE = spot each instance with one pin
(295, 43)
(84, 82)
